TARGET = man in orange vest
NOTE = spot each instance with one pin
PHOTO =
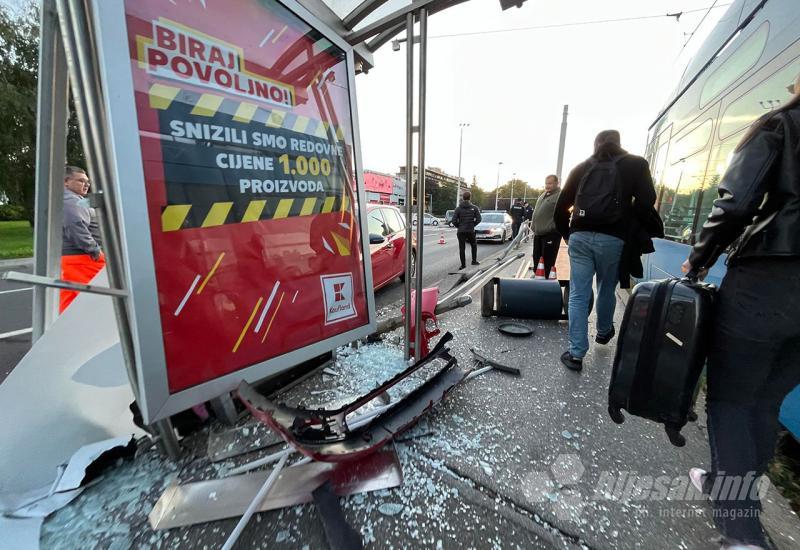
(81, 255)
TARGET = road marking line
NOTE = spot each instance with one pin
(186, 298)
(16, 333)
(211, 273)
(266, 307)
(274, 313)
(16, 290)
(247, 325)
(295, 296)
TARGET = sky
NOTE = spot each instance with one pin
(511, 87)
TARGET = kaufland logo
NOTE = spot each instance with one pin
(337, 292)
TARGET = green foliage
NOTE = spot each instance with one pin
(19, 59)
(11, 212)
(16, 240)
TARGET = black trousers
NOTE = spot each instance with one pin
(463, 239)
(754, 362)
(515, 225)
(547, 246)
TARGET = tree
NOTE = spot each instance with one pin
(19, 65)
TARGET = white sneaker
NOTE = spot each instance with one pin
(697, 476)
(741, 547)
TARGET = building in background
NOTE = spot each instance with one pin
(384, 188)
(440, 189)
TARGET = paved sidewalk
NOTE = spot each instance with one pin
(512, 462)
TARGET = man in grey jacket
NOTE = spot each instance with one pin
(546, 239)
(81, 256)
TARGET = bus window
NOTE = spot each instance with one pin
(682, 182)
(765, 97)
(692, 142)
(720, 158)
(737, 64)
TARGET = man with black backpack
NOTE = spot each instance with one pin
(593, 213)
(465, 218)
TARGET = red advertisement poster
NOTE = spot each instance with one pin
(244, 121)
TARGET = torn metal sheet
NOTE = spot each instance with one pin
(20, 534)
(324, 434)
(79, 465)
(70, 480)
(238, 441)
(86, 394)
(42, 508)
(217, 499)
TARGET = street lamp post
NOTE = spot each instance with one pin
(513, 177)
(460, 144)
(497, 185)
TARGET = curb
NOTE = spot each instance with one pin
(5, 264)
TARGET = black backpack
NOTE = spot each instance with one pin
(599, 196)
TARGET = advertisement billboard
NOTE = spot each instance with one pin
(237, 161)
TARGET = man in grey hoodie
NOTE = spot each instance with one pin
(81, 256)
(546, 238)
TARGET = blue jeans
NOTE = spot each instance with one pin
(589, 254)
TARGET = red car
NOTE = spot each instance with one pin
(387, 244)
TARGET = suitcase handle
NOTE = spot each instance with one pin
(693, 276)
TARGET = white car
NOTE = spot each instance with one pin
(494, 226)
(426, 220)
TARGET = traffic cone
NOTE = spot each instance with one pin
(441, 237)
(553, 274)
(540, 269)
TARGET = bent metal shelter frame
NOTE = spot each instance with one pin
(81, 50)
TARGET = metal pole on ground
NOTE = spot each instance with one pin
(423, 52)
(51, 151)
(259, 498)
(562, 142)
(409, 181)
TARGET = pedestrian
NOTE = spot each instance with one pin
(602, 192)
(528, 211)
(517, 212)
(755, 347)
(465, 218)
(546, 238)
(81, 255)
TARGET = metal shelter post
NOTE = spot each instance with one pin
(51, 151)
(562, 142)
(423, 52)
(460, 149)
(80, 49)
(409, 180)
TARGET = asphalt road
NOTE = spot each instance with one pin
(15, 314)
(438, 261)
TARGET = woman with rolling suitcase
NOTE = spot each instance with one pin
(754, 359)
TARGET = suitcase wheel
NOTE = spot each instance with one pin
(674, 435)
(616, 415)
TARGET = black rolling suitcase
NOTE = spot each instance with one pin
(661, 352)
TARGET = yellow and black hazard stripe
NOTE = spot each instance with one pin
(188, 216)
(163, 97)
